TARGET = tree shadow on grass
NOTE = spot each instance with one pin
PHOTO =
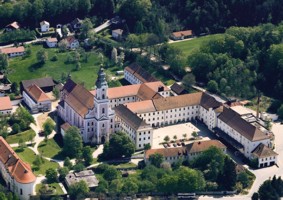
(35, 66)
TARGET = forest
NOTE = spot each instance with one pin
(242, 62)
(203, 16)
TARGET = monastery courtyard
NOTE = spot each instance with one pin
(179, 130)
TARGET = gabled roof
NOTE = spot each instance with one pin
(69, 85)
(76, 21)
(183, 33)
(141, 106)
(5, 103)
(201, 146)
(178, 89)
(130, 118)
(17, 169)
(195, 147)
(70, 39)
(40, 82)
(208, 101)
(118, 31)
(36, 94)
(20, 49)
(140, 73)
(80, 99)
(52, 39)
(15, 25)
(235, 121)
(44, 23)
(262, 151)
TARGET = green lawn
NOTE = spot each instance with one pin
(50, 149)
(188, 46)
(29, 156)
(12, 139)
(28, 68)
(59, 190)
(124, 165)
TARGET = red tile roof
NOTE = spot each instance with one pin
(17, 169)
(15, 25)
(5, 103)
(36, 93)
(183, 33)
(13, 50)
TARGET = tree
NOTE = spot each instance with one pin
(48, 127)
(255, 196)
(119, 145)
(121, 59)
(280, 112)
(185, 136)
(189, 80)
(78, 167)
(78, 189)
(51, 175)
(65, 33)
(115, 187)
(78, 66)
(56, 93)
(16, 128)
(175, 137)
(194, 134)
(63, 171)
(243, 178)
(63, 45)
(212, 86)
(147, 146)
(42, 56)
(228, 177)
(38, 161)
(110, 173)
(14, 87)
(68, 163)
(73, 143)
(165, 165)
(86, 27)
(156, 159)
(114, 57)
(4, 63)
(166, 138)
(130, 187)
(87, 155)
(23, 117)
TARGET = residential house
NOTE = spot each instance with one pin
(180, 35)
(135, 74)
(44, 26)
(72, 42)
(17, 174)
(76, 23)
(264, 155)
(5, 106)
(188, 152)
(46, 84)
(117, 34)
(51, 42)
(86, 175)
(13, 26)
(13, 51)
(36, 99)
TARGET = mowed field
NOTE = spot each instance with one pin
(22, 68)
(190, 45)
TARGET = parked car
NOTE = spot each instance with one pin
(183, 144)
(165, 145)
(175, 145)
(178, 143)
(41, 133)
(168, 145)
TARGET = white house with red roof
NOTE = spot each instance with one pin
(36, 99)
(44, 26)
(13, 51)
(5, 105)
(51, 42)
(72, 42)
(17, 174)
(13, 26)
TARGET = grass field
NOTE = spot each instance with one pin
(28, 68)
(189, 45)
(29, 156)
(50, 149)
(59, 190)
(13, 139)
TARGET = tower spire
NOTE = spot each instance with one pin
(101, 79)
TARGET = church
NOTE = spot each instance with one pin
(90, 113)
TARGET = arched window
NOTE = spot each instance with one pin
(103, 96)
(102, 125)
(103, 110)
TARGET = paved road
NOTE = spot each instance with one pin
(102, 26)
(29, 42)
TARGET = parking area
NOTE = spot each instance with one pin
(179, 130)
